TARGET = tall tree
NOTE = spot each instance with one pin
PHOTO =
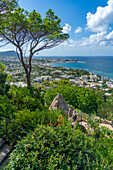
(29, 32)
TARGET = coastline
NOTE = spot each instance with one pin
(86, 69)
(102, 66)
(96, 65)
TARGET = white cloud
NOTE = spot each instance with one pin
(100, 21)
(94, 39)
(72, 43)
(110, 36)
(66, 28)
(98, 39)
(103, 43)
(78, 30)
(64, 43)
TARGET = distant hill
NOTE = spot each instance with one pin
(8, 53)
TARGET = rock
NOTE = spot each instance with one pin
(59, 103)
(106, 125)
(82, 128)
(97, 118)
(106, 121)
(103, 120)
(83, 120)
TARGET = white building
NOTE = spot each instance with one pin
(19, 84)
(84, 77)
(46, 77)
(108, 94)
(37, 79)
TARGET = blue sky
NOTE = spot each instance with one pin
(88, 22)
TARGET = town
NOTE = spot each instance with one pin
(43, 73)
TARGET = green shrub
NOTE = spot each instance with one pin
(2, 82)
(26, 97)
(28, 121)
(58, 148)
(6, 108)
(105, 110)
(82, 98)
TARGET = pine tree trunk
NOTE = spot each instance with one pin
(28, 76)
(27, 68)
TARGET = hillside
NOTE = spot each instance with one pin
(8, 53)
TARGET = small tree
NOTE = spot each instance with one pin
(28, 31)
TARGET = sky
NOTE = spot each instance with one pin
(88, 22)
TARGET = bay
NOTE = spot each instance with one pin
(102, 65)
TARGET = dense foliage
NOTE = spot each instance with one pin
(106, 109)
(26, 97)
(19, 98)
(61, 148)
(3, 76)
(29, 120)
(79, 72)
(51, 143)
(18, 104)
(85, 99)
(6, 108)
(25, 107)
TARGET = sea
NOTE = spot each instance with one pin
(101, 65)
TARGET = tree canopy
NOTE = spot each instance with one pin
(29, 32)
(7, 5)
